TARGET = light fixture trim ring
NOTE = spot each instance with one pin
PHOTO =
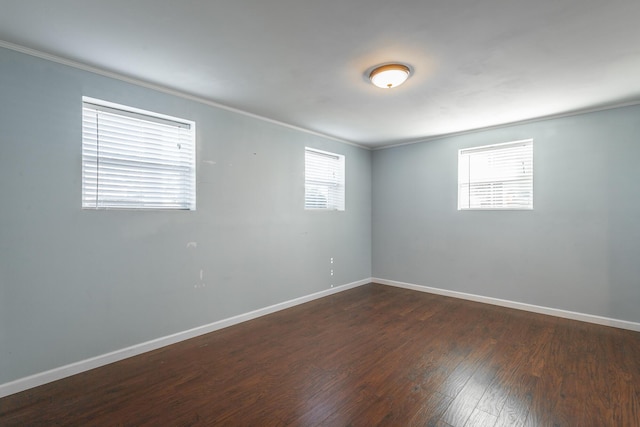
(389, 75)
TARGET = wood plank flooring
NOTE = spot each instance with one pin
(374, 355)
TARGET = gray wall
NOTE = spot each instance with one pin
(76, 284)
(578, 250)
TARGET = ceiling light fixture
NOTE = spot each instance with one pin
(389, 76)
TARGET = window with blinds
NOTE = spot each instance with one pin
(324, 180)
(135, 159)
(496, 176)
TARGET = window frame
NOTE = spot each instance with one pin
(334, 189)
(141, 157)
(510, 182)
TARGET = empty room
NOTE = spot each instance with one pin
(354, 213)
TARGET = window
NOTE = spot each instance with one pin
(324, 180)
(136, 159)
(496, 176)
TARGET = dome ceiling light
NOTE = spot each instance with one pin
(389, 76)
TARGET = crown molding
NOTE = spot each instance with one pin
(164, 89)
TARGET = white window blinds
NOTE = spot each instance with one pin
(136, 159)
(324, 180)
(496, 176)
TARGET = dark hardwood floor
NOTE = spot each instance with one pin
(374, 355)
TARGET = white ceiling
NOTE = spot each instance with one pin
(304, 62)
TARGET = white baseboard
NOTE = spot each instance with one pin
(590, 318)
(41, 378)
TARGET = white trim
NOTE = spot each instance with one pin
(61, 372)
(164, 89)
(583, 317)
(578, 112)
(372, 147)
